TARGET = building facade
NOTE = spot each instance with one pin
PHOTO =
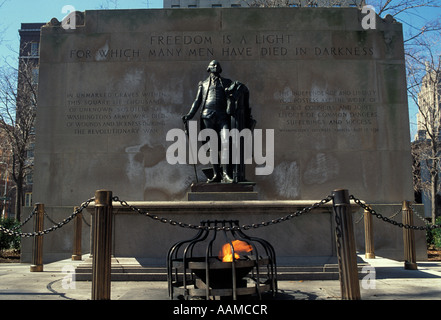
(429, 102)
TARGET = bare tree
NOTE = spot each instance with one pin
(109, 4)
(18, 101)
(402, 10)
(3, 28)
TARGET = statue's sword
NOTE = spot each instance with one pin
(190, 146)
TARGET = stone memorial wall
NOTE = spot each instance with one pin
(329, 98)
(333, 93)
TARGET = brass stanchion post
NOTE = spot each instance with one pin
(77, 236)
(346, 251)
(408, 238)
(92, 237)
(101, 262)
(368, 235)
(37, 245)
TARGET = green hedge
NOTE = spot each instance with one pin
(434, 236)
(7, 241)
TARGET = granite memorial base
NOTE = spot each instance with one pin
(305, 240)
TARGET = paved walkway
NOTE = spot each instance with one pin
(390, 282)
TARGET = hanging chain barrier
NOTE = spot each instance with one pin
(172, 222)
(400, 210)
(389, 220)
(49, 218)
(225, 228)
(13, 232)
(278, 220)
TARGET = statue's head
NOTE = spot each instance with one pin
(214, 67)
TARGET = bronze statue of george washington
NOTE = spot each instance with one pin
(217, 97)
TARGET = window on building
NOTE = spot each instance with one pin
(29, 178)
(35, 72)
(30, 150)
(28, 199)
(34, 48)
(216, 6)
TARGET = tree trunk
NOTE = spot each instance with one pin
(433, 197)
(18, 199)
(434, 187)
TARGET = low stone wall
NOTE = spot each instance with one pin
(306, 239)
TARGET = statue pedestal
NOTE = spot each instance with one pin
(222, 191)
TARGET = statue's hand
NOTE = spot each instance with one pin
(186, 117)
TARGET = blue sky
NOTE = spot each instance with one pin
(14, 12)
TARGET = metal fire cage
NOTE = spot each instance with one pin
(195, 271)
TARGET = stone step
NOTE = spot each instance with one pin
(140, 273)
(161, 276)
(124, 269)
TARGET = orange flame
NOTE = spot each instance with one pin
(239, 246)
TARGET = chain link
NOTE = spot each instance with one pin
(85, 221)
(419, 215)
(386, 219)
(56, 226)
(224, 228)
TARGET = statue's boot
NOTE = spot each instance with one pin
(227, 179)
(227, 174)
(217, 174)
